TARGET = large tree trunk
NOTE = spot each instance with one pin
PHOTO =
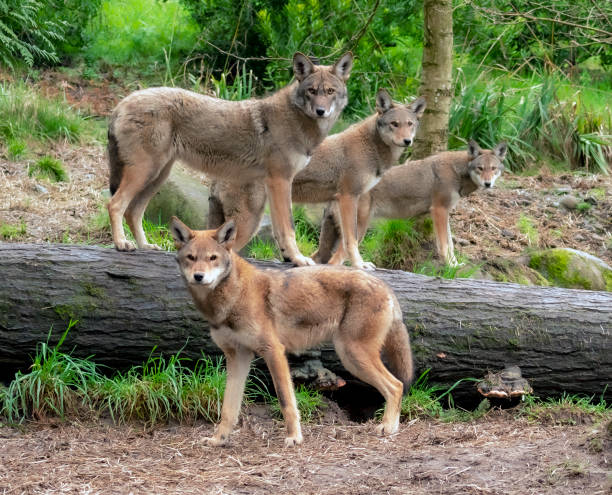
(127, 303)
(436, 78)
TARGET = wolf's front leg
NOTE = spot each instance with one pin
(279, 369)
(238, 363)
(348, 225)
(279, 196)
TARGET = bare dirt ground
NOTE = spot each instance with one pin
(497, 454)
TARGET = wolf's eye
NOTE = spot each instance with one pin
(213, 257)
(480, 169)
(409, 124)
(394, 124)
(330, 91)
(191, 257)
(312, 91)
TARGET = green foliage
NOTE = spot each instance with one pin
(49, 168)
(57, 384)
(310, 403)
(565, 410)
(395, 243)
(432, 269)
(521, 33)
(12, 232)
(26, 115)
(533, 120)
(526, 226)
(583, 206)
(261, 249)
(163, 389)
(424, 400)
(16, 148)
(140, 33)
(26, 35)
(73, 16)
(306, 231)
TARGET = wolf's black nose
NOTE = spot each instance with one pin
(407, 142)
(320, 111)
(198, 277)
(487, 184)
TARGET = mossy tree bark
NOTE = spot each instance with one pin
(436, 78)
(127, 303)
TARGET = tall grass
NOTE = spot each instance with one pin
(163, 389)
(26, 115)
(59, 384)
(535, 122)
(56, 384)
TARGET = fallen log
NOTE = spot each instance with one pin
(128, 303)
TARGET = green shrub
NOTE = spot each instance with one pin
(49, 168)
(26, 35)
(145, 34)
(12, 232)
(25, 115)
(397, 244)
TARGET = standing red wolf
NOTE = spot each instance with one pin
(266, 141)
(343, 167)
(432, 185)
(270, 312)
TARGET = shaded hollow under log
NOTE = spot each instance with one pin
(128, 303)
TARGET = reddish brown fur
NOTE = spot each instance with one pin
(270, 312)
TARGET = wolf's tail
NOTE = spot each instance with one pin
(114, 161)
(397, 353)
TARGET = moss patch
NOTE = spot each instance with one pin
(572, 269)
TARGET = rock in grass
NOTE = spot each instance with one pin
(572, 269)
(569, 202)
(183, 196)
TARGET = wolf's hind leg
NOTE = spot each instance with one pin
(363, 360)
(135, 211)
(136, 177)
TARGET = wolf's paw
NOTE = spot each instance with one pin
(301, 260)
(125, 245)
(293, 441)
(367, 265)
(454, 263)
(386, 429)
(217, 440)
(152, 247)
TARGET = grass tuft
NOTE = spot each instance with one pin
(163, 389)
(26, 115)
(48, 168)
(11, 232)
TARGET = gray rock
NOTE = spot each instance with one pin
(572, 269)
(183, 196)
(569, 202)
(41, 189)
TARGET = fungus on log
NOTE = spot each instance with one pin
(128, 303)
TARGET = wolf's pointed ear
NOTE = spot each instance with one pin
(473, 149)
(383, 101)
(180, 232)
(500, 150)
(226, 234)
(342, 68)
(302, 66)
(418, 106)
